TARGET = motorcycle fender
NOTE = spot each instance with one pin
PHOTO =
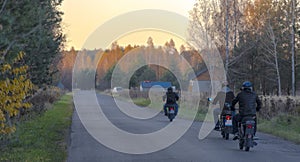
(249, 131)
(228, 129)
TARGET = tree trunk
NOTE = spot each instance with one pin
(276, 59)
(227, 36)
(277, 70)
(235, 25)
(293, 48)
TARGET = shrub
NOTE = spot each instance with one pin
(273, 106)
(45, 97)
(15, 88)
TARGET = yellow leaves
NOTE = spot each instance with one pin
(6, 130)
(27, 105)
(2, 118)
(13, 93)
(20, 70)
(19, 56)
(5, 67)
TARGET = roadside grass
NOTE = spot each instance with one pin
(284, 126)
(143, 102)
(42, 138)
(186, 113)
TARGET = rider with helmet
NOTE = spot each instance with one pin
(171, 97)
(247, 107)
(225, 96)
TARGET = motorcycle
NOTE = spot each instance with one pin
(170, 112)
(226, 125)
(246, 133)
(226, 121)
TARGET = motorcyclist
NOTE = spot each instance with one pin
(246, 99)
(171, 97)
(224, 96)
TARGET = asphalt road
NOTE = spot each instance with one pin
(84, 148)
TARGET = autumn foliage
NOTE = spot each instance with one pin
(103, 61)
(15, 87)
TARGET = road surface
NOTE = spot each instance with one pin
(84, 148)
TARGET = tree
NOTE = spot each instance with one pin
(15, 88)
(271, 53)
(168, 76)
(32, 26)
(293, 28)
(150, 42)
(227, 36)
(271, 40)
(142, 74)
(66, 67)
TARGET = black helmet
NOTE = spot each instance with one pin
(170, 89)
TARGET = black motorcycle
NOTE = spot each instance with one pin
(226, 121)
(171, 112)
(246, 133)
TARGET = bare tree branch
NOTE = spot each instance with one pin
(3, 6)
(237, 58)
(15, 40)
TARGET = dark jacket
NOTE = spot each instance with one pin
(172, 97)
(248, 101)
(224, 96)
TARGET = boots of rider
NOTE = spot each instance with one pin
(165, 110)
(236, 119)
(217, 126)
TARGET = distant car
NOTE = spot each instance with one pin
(117, 89)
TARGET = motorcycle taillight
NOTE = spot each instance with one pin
(228, 117)
(249, 126)
(171, 108)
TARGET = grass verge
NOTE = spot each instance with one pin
(43, 138)
(143, 102)
(284, 126)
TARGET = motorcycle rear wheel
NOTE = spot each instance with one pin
(226, 136)
(247, 148)
(241, 145)
(171, 117)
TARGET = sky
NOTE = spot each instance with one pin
(83, 17)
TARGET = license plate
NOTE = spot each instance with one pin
(172, 111)
(228, 123)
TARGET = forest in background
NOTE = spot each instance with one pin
(259, 41)
(106, 60)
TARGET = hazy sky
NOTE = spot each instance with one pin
(82, 17)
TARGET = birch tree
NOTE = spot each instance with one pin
(293, 3)
(270, 48)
